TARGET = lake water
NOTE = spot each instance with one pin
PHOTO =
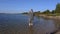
(18, 24)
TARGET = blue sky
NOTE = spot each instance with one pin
(18, 6)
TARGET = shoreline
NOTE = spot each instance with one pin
(50, 17)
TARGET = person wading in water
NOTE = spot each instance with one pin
(31, 14)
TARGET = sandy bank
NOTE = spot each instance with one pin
(51, 17)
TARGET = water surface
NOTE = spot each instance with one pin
(18, 24)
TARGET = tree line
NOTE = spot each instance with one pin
(56, 10)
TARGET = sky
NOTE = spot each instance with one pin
(19, 6)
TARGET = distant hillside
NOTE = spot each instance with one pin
(25, 13)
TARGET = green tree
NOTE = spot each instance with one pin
(37, 13)
(25, 13)
(57, 10)
(53, 11)
(46, 12)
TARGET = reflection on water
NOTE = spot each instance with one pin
(44, 26)
(18, 24)
(57, 23)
